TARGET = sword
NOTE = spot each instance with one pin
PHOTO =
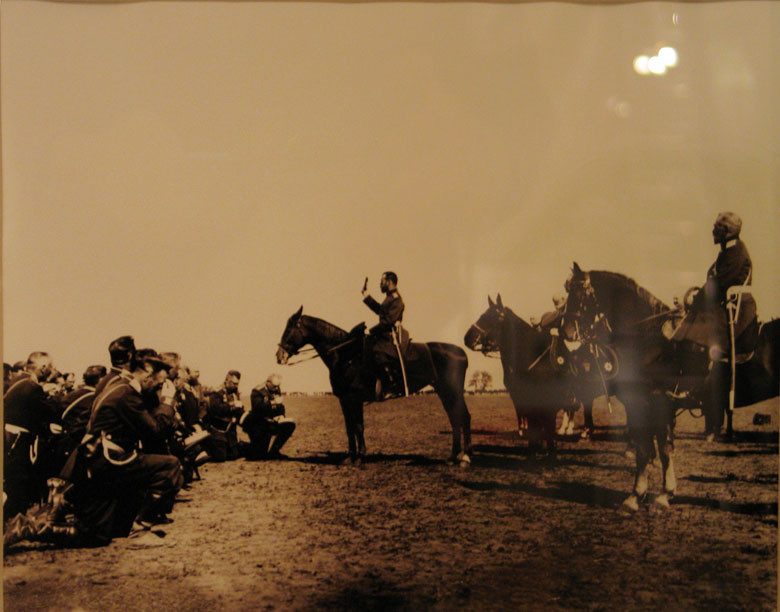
(394, 335)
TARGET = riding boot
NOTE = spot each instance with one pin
(389, 382)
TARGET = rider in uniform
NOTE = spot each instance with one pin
(380, 347)
(707, 322)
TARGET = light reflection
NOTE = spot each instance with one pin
(657, 64)
(640, 64)
(668, 56)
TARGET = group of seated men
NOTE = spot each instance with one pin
(108, 458)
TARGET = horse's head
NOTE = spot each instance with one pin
(293, 338)
(484, 334)
(581, 311)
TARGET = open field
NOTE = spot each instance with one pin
(407, 531)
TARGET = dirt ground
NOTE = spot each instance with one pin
(407, 531)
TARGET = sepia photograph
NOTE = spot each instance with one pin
(377, 305)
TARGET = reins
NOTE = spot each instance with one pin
(310, 349)
(309, 358)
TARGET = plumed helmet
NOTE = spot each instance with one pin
(731, 223)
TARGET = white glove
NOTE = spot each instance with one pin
(167, 392)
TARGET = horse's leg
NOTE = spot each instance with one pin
(349, 422)
(564, 422)
(466, 427)
(360, 431)
(571, 412)
(455, 426)
(462, 416)
(547, 422)
(665, 437)
(587, 410)
(640, 433)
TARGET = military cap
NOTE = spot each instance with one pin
(156, 363)
(95, 370)
(121, 350)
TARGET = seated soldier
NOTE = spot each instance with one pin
(224, 408)
(266, 421)
(27, 416)
(123, 489)
(77, 407)
(381, 349)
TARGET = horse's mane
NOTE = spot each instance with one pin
(327, 329)
(517, 319)
(619, 281)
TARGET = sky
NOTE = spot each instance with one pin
(192, 173)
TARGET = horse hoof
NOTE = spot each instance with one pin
(662, 501)
(629, 454)
(631, 503)
(464, 461)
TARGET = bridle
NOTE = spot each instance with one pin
(488, 350)
(299, 351)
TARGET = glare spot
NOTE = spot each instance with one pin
(668, 56)
(641, 64)
(676, 18)
(656, 65)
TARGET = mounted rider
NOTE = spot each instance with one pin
(707, 322)
(387, 340)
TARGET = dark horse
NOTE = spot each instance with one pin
(610, 309)
(536, 383)
(443, 366)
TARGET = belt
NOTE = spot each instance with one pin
(110, 445)
(15, 429)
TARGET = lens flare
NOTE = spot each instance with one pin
(668, 56)
(640, 64)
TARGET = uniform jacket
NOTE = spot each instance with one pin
(109, 379)
(263, 405)
(707, 323)
(189, 406)
(76, 409)
(221, 408)
(26, 405)
(732, 267)
(127, 417)
(390, 311)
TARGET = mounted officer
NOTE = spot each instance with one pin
(382, 350)
(707, 323)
